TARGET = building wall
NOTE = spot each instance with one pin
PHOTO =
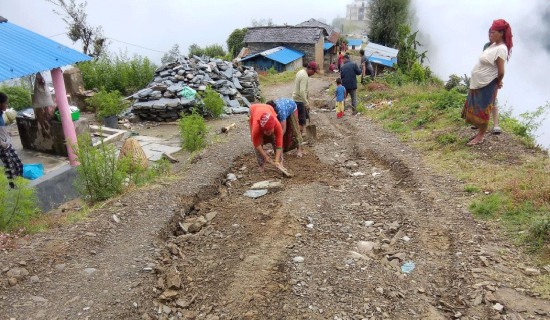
(320, 55)
(357, 11)
(296, 64)
(307, 48)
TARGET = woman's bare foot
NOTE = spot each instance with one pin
(261, 169)
(474, 142)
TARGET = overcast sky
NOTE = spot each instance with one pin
(454, 31)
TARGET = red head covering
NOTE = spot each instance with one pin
(267, 122)
(502, 25)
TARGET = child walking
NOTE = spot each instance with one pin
(340, 96)
(12, 164)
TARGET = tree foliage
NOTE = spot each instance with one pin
(386, 16)
(75, 16)
(235, 42)
(214, 50)
(172, 56)
(262, 22)
(408, 48)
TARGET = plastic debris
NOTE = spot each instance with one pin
(408, 267)
(358, 174)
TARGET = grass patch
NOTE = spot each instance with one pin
(471, 189)
(429, 118)
(283, 77)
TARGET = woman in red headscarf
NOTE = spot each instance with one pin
(264, 129)
(487, 78)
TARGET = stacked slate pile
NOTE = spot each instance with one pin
(165, 98)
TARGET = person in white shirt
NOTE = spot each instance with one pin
(486, 79)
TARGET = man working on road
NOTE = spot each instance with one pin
(349, 74)
(300, 93)
(366, 66)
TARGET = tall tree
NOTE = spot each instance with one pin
(75, 16)
(262, 22)
(235, 41)
(385, 18)
(171, 56)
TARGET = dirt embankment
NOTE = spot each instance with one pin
(362, 231)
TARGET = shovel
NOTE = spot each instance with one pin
(311, 129)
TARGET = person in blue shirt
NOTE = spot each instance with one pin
(287, 114)
(340, 93)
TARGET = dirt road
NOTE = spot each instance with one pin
(362, 231)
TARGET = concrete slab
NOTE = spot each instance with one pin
(154, 151)
(55, 188)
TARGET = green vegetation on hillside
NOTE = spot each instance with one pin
(509, 183)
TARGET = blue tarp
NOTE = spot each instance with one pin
(328, 45)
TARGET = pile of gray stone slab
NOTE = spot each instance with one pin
(164, 98)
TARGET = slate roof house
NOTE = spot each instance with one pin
(332, 35)
(308, 40)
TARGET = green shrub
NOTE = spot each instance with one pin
(449, 100)
(212, 104)
(107, 103)
(17, 206)
(19, 97)
(446, 138)
(417, 73)
(118, 73)
(539, 232)
(193, 131)
(271, 71)
(397, 78)
(100, 174)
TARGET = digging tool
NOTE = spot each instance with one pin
(311, 129)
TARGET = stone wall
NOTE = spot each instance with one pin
(163, 99)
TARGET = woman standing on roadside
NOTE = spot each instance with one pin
(487, 78)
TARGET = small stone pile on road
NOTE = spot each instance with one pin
(163, 99)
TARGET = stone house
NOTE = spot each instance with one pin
(309, 40)
(330, 48)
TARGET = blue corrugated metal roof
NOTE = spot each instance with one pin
(328, 45)
(23, 52)
(385, 62)
(354, 42)
(285, 55)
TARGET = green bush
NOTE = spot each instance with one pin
(19, 97)
(417, 73)
(539, 232)
(212, 104)
(271, 71)
(100, 174)
(471, 189)
(17, 206)
(449, 100)
(397, 78)
(118, 73)
(193, 131)
(107, 104)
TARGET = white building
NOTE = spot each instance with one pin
(358, 10)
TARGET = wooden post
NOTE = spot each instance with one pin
(65, 113)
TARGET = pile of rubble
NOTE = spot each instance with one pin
(164, 98)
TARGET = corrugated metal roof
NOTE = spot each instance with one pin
(381, 54)
(328, 45)
(280, 54)
(385, 62)
(23, 52)
(285, 55)
(354, 42)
